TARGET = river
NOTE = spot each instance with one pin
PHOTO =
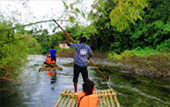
(42, 90)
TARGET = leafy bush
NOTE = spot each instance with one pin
(164, 46)
(15, 47)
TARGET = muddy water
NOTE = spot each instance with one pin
(41, 90)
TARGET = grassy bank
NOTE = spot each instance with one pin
(146, 61)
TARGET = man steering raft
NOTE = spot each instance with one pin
(82, 53)
(52, 51)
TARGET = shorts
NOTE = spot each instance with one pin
(53, 58)
(82, 70)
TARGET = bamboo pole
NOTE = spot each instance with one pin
(57, 104)
(107, 98)
(112, 101)
(57, 67)
(70, 105)
(75, 102)
(68, 94)
(115, 98)
(105, 95)
(95, 92)
(100, 100)
(64, 97)
(118, 105)
(104, 99)
(68, 98)
(102, 95)
(64, 31)
(100, 71)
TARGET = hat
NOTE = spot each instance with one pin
(49, 55)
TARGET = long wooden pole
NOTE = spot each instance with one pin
(89, 59)
(64, 31)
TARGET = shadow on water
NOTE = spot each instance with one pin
(42, 90)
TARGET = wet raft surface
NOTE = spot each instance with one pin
(107, 99)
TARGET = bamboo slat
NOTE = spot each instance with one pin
(72, 99)
(75, 102)
(111, 98)
(115, 98)
(55, 68)
(57, 104)
(100, 99)
(65, 97)
(104, 99)
(68, 99)
(107, 98)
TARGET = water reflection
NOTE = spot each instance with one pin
(53, 77)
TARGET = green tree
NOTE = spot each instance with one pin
(15, 46)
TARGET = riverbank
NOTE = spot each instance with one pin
(150, 63)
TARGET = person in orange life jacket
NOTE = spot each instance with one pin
(82, 53)
(87, 98)
(48, 60)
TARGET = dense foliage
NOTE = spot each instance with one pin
(151, 31)
(15, 46)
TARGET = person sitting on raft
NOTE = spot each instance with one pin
(87, 98)
(49, 61)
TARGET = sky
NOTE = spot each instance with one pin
(36, 10)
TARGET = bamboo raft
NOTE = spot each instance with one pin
(55, 68)
(107, 99)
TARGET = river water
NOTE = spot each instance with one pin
(42, 90)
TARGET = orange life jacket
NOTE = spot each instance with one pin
(88, 101)
(49, 61)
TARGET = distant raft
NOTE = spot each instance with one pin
(107, 99)
(51, 68)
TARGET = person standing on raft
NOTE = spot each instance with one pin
(52, 51)
(82, 53)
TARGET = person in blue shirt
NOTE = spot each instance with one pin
(82, 53)
(52, 51)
